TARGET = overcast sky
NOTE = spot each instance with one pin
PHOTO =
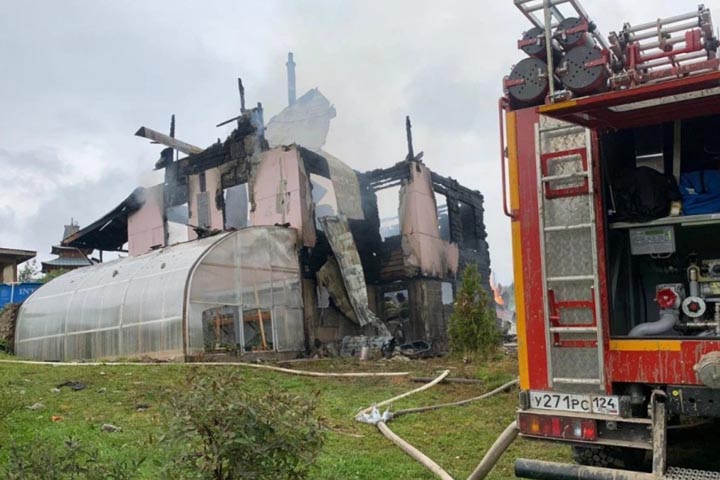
(80, 77)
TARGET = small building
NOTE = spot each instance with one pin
(68, 258)
(10, 258)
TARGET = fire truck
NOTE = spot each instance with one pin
(610, 162)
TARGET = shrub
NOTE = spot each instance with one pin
(226, 432)
(46, 461)
(473, 328)
(53, 274)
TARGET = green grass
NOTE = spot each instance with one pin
(454, 437)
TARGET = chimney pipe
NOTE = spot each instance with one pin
(291, 78)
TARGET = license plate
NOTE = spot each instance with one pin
(568, 402)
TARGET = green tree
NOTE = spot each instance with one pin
(28, 271)
(473, 328)
(52, 274)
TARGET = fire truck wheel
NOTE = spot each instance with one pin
(610, 457)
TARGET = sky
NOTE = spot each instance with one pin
(80, 77)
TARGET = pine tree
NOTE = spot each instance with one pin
(473, 328)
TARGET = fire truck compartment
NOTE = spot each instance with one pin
(663, 265)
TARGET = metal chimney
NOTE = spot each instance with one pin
(291, 78)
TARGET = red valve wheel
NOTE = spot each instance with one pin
(666, 298)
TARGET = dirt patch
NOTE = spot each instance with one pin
(8, 319)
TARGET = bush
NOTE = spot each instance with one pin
(43, 461)
(473, 328)
(53, 274)
(226, 432)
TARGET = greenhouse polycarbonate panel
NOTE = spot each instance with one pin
(127, 307)
(256, 269)
(154, 304)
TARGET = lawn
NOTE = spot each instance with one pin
(454, 437)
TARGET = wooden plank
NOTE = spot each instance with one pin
(168, 141)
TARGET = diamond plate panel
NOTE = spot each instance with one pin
(568, 252)
(565, 337)
(570, 291)
(567, 211)
(674, 473)
(574, 363)
(559, 140)
(565, 292)
(565, 165)
(576, 316)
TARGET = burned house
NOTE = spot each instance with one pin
(262, 244)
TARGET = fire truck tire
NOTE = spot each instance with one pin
(610, 457)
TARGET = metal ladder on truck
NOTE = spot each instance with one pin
(568, 252)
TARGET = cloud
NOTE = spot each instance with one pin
(80, 77)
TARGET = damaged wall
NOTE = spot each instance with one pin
(146, 226)
(421, 243)
(205, 201)
(467, 225)
(281, 193)
(429, 315)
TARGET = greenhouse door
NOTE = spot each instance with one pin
(221, 329)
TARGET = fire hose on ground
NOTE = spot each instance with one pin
(303, 373)
(372, 415)
(480, 472)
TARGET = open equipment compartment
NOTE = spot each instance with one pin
(663, 273)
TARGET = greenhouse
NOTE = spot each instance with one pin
(238, 290)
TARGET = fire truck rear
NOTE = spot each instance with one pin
(611, 157)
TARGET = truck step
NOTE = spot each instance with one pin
(675, 473)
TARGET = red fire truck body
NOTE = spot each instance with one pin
(618, 318)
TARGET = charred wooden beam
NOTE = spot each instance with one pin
(168, 141)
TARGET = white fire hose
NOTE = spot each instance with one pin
(373, 416)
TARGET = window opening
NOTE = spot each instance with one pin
(396, 313)
(323, 195)
(443, 216)
(448, 297)
(177, 220)
(203, 209)
(388, 201)
(467, 218)
(203, 183)
(237, 207)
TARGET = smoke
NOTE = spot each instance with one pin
(82, 86)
